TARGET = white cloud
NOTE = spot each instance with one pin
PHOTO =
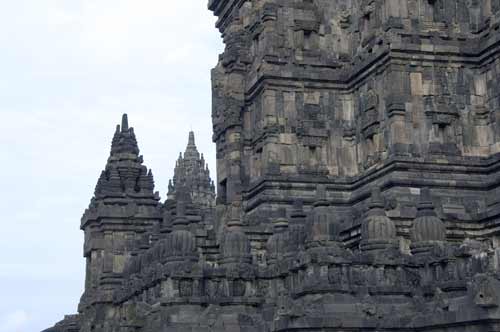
(14, 322)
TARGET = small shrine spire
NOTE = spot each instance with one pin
(428, 230)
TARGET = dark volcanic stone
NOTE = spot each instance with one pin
(357, 181)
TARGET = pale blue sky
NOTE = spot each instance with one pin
(69, 69)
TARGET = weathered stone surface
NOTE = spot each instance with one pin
(357, 181)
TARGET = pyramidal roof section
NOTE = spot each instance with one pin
(124, 174)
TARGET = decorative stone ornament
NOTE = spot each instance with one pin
(235, 244)
(428, 230)
(378, 232)
(278, 244)
(180, 245)
(320, 223)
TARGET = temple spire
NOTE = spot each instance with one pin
(191, 152)
(191, 139)
(191, 173)
(124, 173)
(124, 191)
(124, 122)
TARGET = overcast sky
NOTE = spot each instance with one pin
(69, 69)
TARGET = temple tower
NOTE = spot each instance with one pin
(339, 92)
(124, 209)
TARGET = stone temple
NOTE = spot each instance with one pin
(358, 181)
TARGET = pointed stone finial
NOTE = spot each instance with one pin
(124, 122)
(191, 154)
(124, 140)
(191, 139)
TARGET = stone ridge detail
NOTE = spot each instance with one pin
(358, 167)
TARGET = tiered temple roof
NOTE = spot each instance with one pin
(124, 174)
(191, 172)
